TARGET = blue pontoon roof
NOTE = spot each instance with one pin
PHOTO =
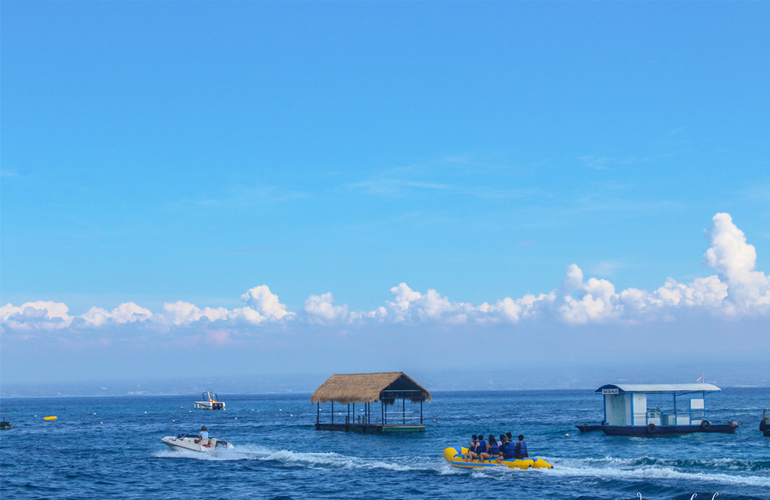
(652, 388)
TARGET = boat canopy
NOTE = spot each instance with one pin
(658, 388)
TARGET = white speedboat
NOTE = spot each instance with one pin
(187, 442)
(210, 402)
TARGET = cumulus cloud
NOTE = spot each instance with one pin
(130, 313)
(321, 309)
(734, 260)
(261, 299)
(35, 315)
(736, 290)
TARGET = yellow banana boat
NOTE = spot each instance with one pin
(456, 460)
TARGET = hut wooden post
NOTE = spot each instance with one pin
(332, 411)
(421, 413)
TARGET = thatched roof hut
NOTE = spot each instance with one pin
(368, 388)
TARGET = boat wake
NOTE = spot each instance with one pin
(314, 460)
(723, 471)
(717, 471)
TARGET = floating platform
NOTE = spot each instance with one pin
(635, 410)
(400, 401)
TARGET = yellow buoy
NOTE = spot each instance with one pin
(49, 418)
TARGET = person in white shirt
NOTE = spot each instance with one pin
(203, 438)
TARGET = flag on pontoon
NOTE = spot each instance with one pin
(700, 379)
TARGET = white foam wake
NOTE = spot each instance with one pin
(608, 467)
(625, 469)
(257, 452)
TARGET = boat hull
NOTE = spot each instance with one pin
(590, 427)
(209, 405)
(456, 459)
(666, 430)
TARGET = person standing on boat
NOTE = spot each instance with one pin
(203, 438)
(520, 451)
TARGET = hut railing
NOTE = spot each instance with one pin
(395, 400)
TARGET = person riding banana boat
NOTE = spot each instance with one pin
(494, 453)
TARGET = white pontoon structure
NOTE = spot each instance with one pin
(629, 410)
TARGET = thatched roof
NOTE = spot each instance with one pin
(366, 388)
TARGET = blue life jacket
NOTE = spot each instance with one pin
(493, 449)
(473, 446)
(522, 453)
(508, 449)
(482, 446)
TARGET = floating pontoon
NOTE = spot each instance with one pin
(401, 402)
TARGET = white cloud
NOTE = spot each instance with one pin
(261, 299)
(596, 302)
(735, 260)
(321, 309)
(130, 313)
(736, 290)
(178, 313)
(35, 315)
(96, 316)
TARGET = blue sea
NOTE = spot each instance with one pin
(109, 447)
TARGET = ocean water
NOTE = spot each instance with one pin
(109, 447)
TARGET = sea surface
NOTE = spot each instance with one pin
(109, 448)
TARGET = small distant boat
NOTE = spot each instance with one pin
(5, 424)
(628, 411)
(456, 460)
(210, 402)
(187, 442)
(764, 424)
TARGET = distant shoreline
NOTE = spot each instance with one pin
(307, 394)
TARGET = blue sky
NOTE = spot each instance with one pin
(323, 154)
